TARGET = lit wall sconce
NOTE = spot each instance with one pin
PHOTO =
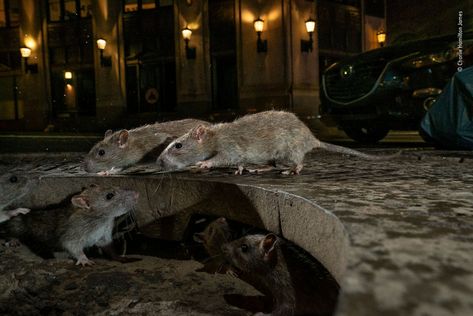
(261, 45)
(105, 61)
(26, 53)
(381, 36)
(68, 76)
(308, 45)
(190, 51)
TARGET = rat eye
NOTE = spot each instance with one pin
(244, 248)
(101, 152)
(110, 196)
(178, 145)
(13, 179)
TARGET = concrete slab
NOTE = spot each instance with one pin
(397, 234)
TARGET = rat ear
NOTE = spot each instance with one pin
(267, 245)
(108, 133)
(123, 138)
(200, 132)
(80, 201)
(199, 237)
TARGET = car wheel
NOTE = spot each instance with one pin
(367, 135)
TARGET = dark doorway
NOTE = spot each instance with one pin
(223, 54)
(150, 61)
(71, 58)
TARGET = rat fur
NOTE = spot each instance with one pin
(126, 147)
(87, 219)
(13, 186)
(299, 284)
(265, 138)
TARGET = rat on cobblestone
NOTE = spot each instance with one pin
(299, 284)
(87, 219)
(265, 138)
(13, 186)
(126, 147)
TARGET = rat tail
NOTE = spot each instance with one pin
(353, 152)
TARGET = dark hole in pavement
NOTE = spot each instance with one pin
(134, 243)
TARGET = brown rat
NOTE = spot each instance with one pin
(13, 186)
(127, 147)
(299, 284)
(213, 237)
(87, 219)
(256, 139)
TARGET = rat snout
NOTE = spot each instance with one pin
(88, 165)
(160, 162)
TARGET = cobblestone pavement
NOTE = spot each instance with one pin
(409, 221)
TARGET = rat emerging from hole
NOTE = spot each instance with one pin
(299, 284)
(127, 147)
(13, 186)
(265, 138)
(84, 221)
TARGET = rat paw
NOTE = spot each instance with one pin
(84, 261)
(204, 164)
(109, 172)
(18, 211)
(13, 243)
(240, 170)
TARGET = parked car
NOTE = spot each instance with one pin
(391, 87)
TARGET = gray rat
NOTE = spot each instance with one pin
(299, 284)
(127, 147)
(271, 137)
(213, 237)
(13, 186)
(87, 219)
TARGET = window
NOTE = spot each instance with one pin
(67, 10)
(71, 48)
(138, 5)
(374, 8)
(9, 13)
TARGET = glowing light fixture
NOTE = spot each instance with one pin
(261, 45)
(101, 43)
(68, 75)
(308, 45)
(190, 51)
(310, 25)
(26, 53)
(381, 36)
(105, 61)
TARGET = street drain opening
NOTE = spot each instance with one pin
(315, 289)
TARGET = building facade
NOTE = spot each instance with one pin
(148, 70)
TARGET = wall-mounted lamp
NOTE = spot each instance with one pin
(381, 36)
(261, 45)
(26, 53)
(105, 61)
(190, 51)
(308, 45)
(68, 76)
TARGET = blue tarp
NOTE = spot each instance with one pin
(449, 122)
